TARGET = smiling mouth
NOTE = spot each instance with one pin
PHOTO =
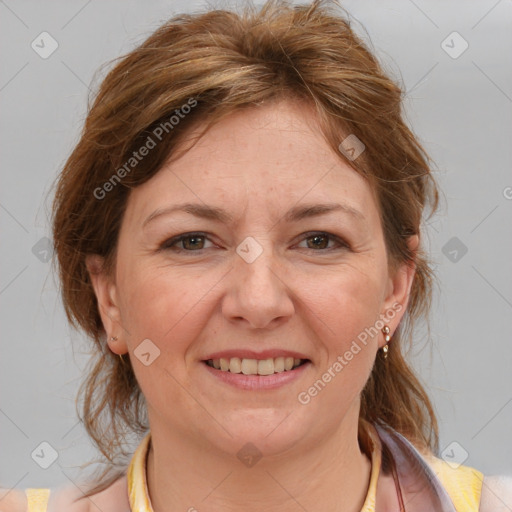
(256, 366)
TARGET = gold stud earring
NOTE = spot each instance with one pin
(387, 339)
(115, 338)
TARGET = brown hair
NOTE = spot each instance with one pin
(218, 62)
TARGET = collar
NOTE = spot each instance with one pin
(138, 490)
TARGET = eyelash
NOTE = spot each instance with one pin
(168, 244)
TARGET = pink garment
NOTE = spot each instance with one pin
(421, 490)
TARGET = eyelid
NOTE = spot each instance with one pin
(340, 241)
(168, 243)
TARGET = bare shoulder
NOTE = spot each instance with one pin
(496, 494)
(12, 500)
(112, 499)
(69, 498)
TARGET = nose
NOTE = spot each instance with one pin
(258, 294)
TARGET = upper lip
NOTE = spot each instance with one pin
(252, 354)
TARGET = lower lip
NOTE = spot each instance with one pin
(257, 382)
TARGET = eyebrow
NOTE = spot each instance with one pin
(218, 214)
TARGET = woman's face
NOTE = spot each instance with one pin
(265, 279)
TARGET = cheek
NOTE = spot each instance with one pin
(169, 308)
(164, 304)
(348, 306)
(349, 301)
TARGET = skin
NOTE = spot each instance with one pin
(257, 164)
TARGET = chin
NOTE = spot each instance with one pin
(272, 431)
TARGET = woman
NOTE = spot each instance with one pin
(238, 231)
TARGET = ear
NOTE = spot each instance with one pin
(108, 307)
(399, 290)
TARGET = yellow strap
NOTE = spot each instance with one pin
(37, 499)
(463, 484)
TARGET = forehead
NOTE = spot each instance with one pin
(273, 155)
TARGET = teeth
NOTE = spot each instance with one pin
(249, 366)
(255, 366)
(235, 365)
(266, 367)
(279, 364)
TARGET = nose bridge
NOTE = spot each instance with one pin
(257, 265)
(257, 292)
(259, 260)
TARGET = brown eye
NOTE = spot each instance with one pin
(190, 242)
(193, 242)
(318, 242)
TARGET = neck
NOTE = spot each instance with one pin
(330, 474)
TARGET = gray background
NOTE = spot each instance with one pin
(459, 107)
